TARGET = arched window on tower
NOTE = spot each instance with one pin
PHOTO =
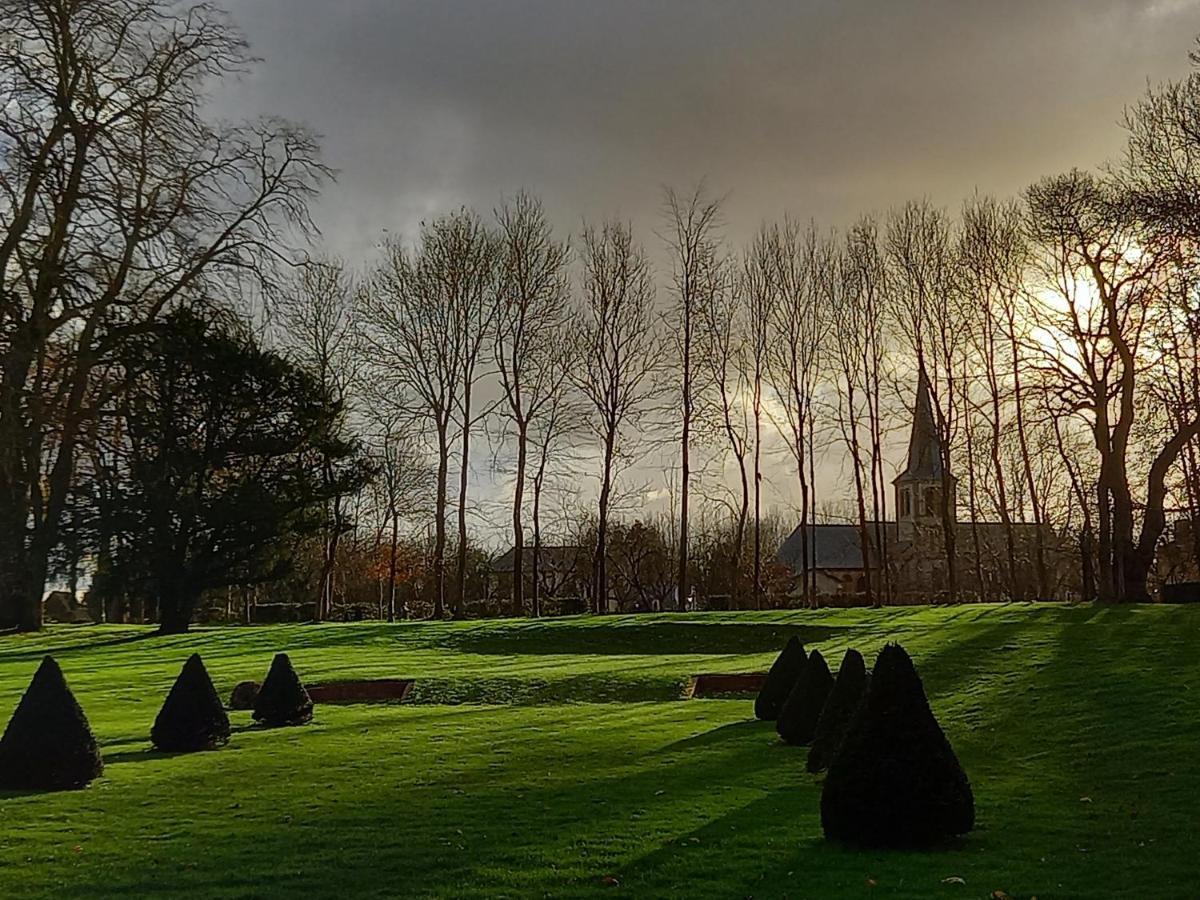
(931, 501)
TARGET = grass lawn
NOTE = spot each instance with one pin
(550, 758)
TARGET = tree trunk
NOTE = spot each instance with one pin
(391, 592)
(439, 526)
(518, 569)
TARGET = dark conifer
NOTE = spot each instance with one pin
(895, 781)
(192, 717)
(780, 679)
(48, 744)
(282, 699)
(798, 717)
(852, 679)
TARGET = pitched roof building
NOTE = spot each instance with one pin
(915, 539)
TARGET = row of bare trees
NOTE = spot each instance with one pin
(1058, 334)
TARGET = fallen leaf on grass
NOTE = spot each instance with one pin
(953, 879)
(610, 880)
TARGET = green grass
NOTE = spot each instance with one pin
(537, 758)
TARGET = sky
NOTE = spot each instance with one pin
(821, 109)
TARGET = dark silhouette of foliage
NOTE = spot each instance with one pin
(895, 781)
(780, 679)
(233, 451)
(797, 722)
(852, 680)
(48, 744)
(191, 717)
(244, 695)
(282, 699)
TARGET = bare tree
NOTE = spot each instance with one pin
(317, 320)
(697, 270)
(118, 199)
(726, 361)
(529, 337)
(423, 333)
(617, 358)
(401, 486)
(792, 260)
(928, 311)
(557, 417)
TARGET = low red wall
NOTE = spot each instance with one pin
(362, 691)
(710, 684)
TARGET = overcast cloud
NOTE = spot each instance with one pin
(820, 108)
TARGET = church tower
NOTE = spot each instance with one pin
(919, 487)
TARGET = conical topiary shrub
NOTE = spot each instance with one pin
(48, 744)
(192, 717)
(852, 680)
(895, 781)
(780, 679)
(797, 722)
(282, 699)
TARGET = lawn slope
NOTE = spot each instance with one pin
(555, 759)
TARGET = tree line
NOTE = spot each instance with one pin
(191, 402)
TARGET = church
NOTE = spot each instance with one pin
(914, 543)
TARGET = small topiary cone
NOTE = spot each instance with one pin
(780, 680)
(797, 721)
(847, 693)
(895, 781)
(192, 717)
(282, 700)
(48, 744)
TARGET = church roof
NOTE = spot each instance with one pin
(925, 442)
(834, 546)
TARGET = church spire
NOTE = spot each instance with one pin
(925, 442)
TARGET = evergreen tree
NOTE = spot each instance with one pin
(192, 717)
(233, 451)
(780, 679)
(798, 717)
(282, 700)
(852, 680)
(48, 744)
(895, 781)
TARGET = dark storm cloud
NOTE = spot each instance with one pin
(819, 108)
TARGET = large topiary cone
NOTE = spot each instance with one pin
(895, 781)
(192, 717)
(282, 699)
(48, 745)
(797, 722)
(780, 679)
(852, 680)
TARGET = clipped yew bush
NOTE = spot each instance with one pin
(192, 717)
(282, 699)
(48, 744)
(780, 680)
(797, 722)
(848, 689)
(895, 781)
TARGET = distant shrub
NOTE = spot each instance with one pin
(797, 722)
(192, 717)
(282, 699)
(48, 744)
(895, 781)
(852, 679)
(780, 679)
(244, 695)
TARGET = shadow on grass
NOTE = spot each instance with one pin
(83, 647)
(637, 639)
(724, 733)
(149, 754)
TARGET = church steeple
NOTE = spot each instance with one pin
(919, 487)
(924, 442)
